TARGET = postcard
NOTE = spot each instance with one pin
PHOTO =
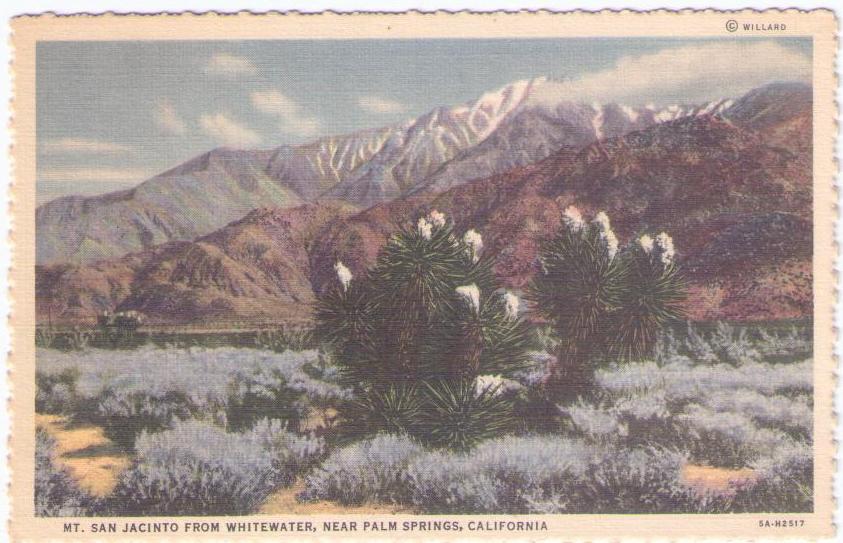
(430, 276)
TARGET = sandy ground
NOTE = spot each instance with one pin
(284, 502)
(95, 462)
(709, 479)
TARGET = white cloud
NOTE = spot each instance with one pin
(227, 131)
(274, 102)
(379, 104)
(302, 126)
(687, 74)
(227, 65)
(168, 119)
(91, 174)
(83, 145)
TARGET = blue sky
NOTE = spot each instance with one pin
(111, 114)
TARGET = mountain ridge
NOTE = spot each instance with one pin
(443, 148)
(736, 199)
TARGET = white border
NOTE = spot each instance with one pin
(8, 10)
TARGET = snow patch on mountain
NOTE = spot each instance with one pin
(446, 147)
(630, 113)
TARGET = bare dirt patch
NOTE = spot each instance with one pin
(92, 459)
(284, 502)
(710, 479)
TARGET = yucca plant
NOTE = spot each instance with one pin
(460, 413)
(603, 300)
(650, 299)
(393, 410)
(285, 338)
(428, 312)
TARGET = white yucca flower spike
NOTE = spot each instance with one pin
(646, 243)
(665, 244)
(474, 240)
(485, 382)
(512, 303)
(425, 228)
(471, 294)
(573, 218)
(611, 242)
(602, 220)
(606, 234)
(437, 218)
(343, 274)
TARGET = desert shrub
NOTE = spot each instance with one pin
(505, 475)
(790, 414)
(550, 474)
(535, 369)
(531, 474)
(667, 346)
(258, 394)
(45, 337)
(294, 452)
(162, 383)
(631, 420)
(783, 483)
(596, 422)
(729, 439)
(56, 493)
(683, 380)
(534, 410)
(645, 405)
(426, 322)
(698, 346)
(125, 414)
(745, 345)
(796, 341)
(371, 470)
(75, 339)
(602, 300)
(643, 480)
(723, 415)
(732, 345)
(54, 399)
(55, 392)
(197, 468)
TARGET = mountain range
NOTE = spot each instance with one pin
(441, 149)
(730, 180)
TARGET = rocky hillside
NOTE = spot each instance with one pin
(735, 195)
(441, 149)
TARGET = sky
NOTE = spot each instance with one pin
(112, 114)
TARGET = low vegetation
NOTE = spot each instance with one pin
(426, 386)
(621, 449)
(148, 389)
(197, 468)
(56, 492)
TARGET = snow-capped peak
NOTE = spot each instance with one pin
(485, 114)
(630, 113)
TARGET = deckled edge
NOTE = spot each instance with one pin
(835, 205)
(8, 272)
(438, 11)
